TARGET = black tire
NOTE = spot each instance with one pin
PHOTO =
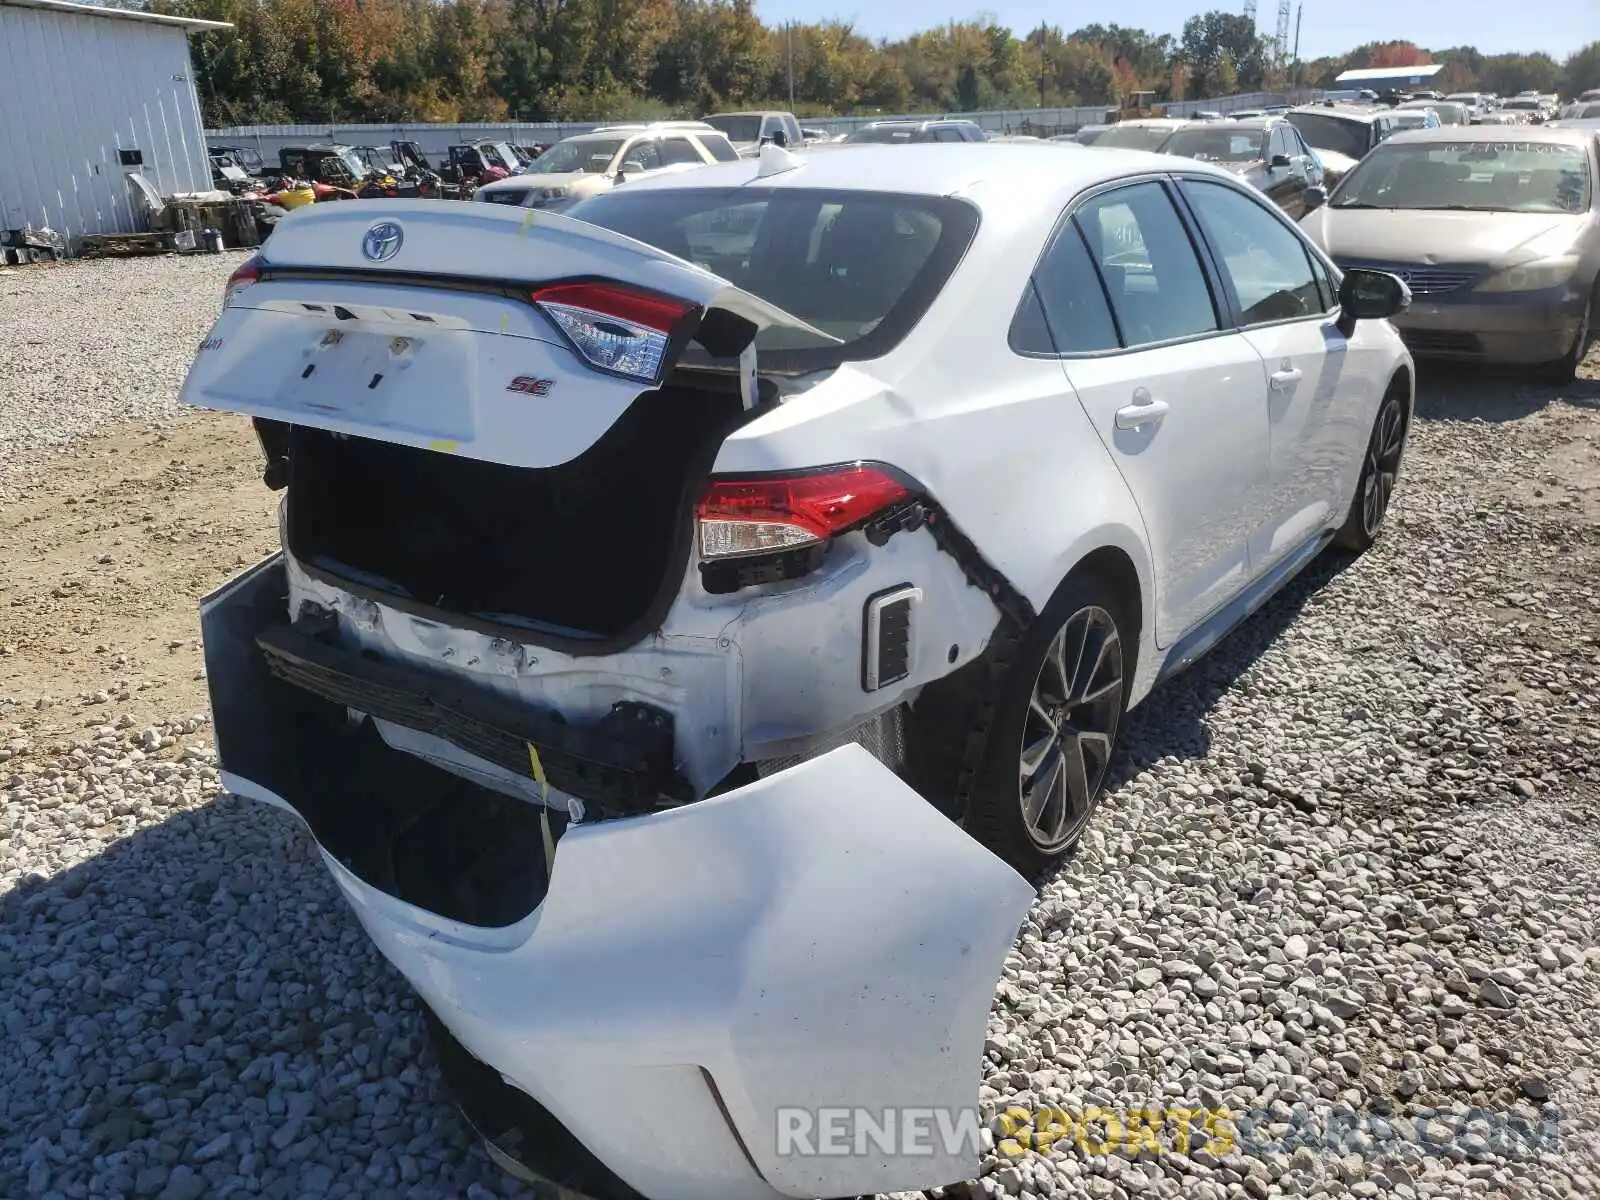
(1091, 620)
(1565, 368)
(1380, 470)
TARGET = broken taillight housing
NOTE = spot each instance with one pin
(617, 329)
(246, 273)
(771, 514)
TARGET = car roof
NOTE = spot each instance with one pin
(1344, 112)
(995, 174)
(1491, 133)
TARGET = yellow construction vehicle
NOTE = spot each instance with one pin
(1134, 106)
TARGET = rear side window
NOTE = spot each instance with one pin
(1065, 309)
(862, 267)
(1152, 273)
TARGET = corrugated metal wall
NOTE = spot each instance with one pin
(74, 91)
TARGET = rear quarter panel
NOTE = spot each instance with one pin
(998, 439)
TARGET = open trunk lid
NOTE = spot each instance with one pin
(413, 322)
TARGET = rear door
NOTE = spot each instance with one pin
(1180, 402)
(1314, 402)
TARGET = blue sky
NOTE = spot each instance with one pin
(1328, 27)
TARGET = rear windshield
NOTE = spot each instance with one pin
(1508, 176)
(1134, 137)
(862, 267)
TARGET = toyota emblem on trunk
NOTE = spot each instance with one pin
(382, 241)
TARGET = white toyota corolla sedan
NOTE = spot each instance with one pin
(699, 613)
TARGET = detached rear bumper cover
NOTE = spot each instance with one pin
(820, 940)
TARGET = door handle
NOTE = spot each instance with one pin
(1284, 378)
(1135, 415)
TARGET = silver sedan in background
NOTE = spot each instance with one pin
(1496, 230)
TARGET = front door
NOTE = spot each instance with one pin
(1286, 185)
(1180, 404)
(1315, 410)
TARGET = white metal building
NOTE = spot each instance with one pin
(89, 96)
(1381, 79)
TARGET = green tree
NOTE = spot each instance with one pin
(1581, 72)
(1210, 38)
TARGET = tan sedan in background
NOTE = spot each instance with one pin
(1495, 230)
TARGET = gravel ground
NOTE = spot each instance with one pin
(1348, 881)
(85, 346)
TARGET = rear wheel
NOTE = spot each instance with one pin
(1380, 469)
(1055, 728)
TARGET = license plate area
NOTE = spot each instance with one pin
(351, 372)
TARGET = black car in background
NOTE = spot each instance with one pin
(1266, 152)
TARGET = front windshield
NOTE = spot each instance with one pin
(1500, 176)
(576, 154)
(1218, 144)
(738, 128)
(352, 162)
(1134, 137)
(882, 134)
(1337, 135)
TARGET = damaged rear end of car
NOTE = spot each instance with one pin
(526, 667)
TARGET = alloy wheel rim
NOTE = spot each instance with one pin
(1382, 466)
(1070, 727)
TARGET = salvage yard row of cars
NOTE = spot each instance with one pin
(702, 610)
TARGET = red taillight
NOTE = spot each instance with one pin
(763, 515)
(616, 328)
(660, 313)
(247, 272)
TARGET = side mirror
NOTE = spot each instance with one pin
(1370, 296)
(779, 139)
(1315, 197)
(1282, 160)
